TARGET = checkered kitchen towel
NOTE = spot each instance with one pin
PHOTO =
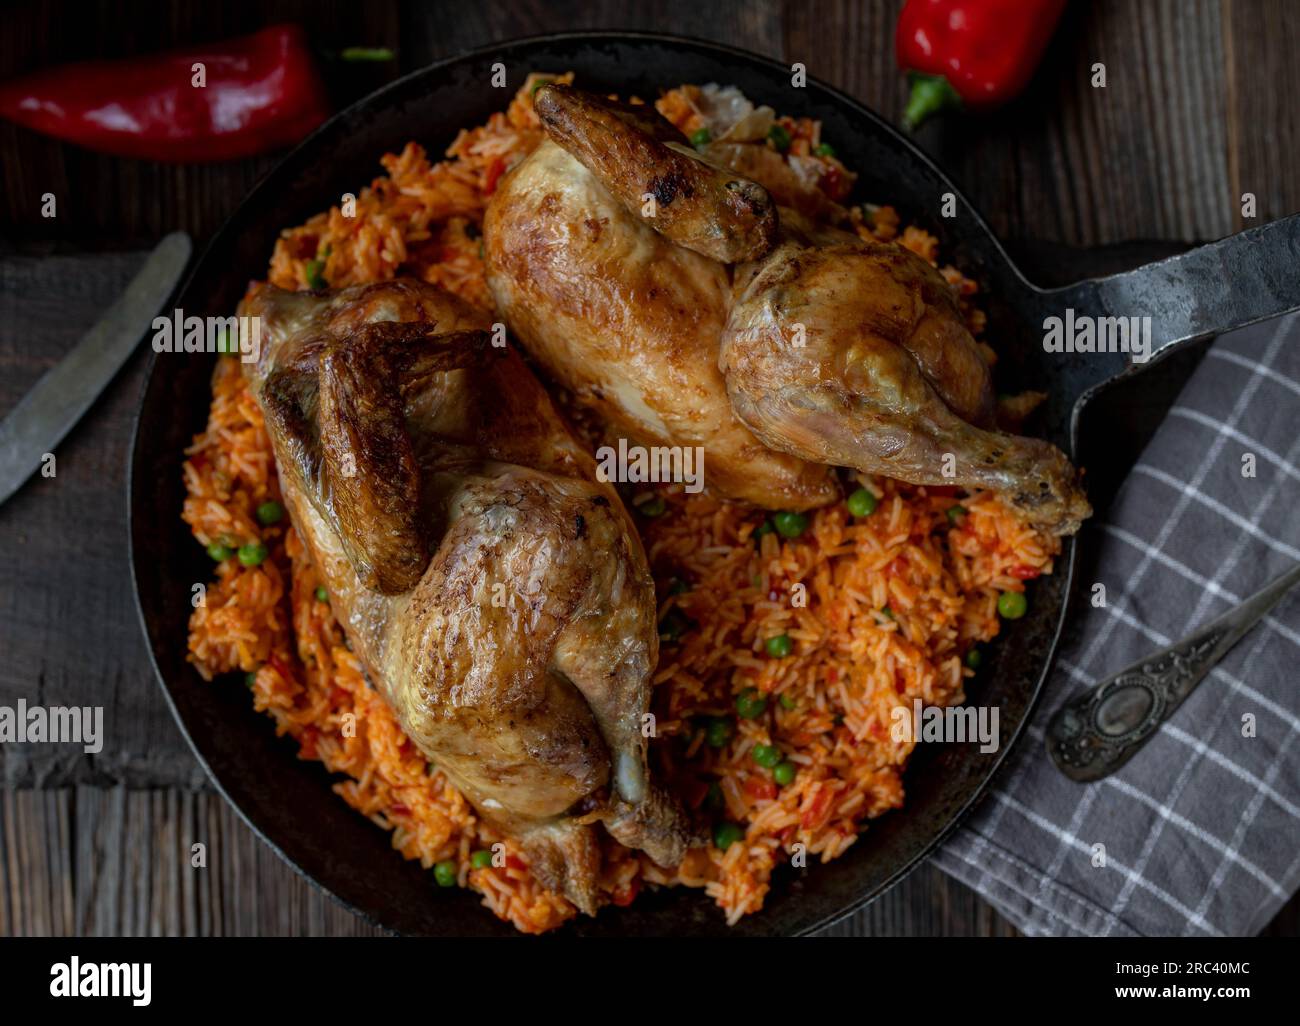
(1202, 827)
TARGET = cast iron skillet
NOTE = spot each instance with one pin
(289, 802)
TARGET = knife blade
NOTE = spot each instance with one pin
(66, 391)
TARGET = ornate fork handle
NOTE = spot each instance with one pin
(1098, 731)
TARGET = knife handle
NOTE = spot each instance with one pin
(1095, 733)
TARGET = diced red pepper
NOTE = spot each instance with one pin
(760, 789)
(307, 743)
(1024, 572)
(623, 898)
(817, 809)
(277, 664)
(494, 172)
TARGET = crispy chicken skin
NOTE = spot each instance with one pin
(629, 323)
(641, 157)
(834, 349)
(852, 352)
(496, 594)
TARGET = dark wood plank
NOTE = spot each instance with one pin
(1263, 39)
(70, 631)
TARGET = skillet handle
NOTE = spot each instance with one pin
(1241, 279)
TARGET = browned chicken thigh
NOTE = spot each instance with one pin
(496, 594)
(834, 349)
(855, 353)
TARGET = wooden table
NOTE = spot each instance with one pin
(1197, 110)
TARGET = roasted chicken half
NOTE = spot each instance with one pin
(496, 594)
(832, 349)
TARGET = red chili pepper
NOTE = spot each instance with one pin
(977, 53)
(259, 93)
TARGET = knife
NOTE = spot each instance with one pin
(65, 392)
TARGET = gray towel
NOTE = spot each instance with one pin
(1202, 827)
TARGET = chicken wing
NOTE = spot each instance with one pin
(496, 594)
(652, 170)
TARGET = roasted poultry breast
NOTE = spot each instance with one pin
(495, 592)
(672, 293)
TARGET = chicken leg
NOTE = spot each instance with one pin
(853, 352)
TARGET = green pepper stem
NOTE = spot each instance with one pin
(930, 95)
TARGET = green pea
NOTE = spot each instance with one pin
(862, 503)
(719, 732)
(253, 554)
(955, 513)
(655, 507)
(825, 150)
(316, 274)
(750, 704)
(763, 529)
(445, 873)
(321, 594)
(790, 525)
(250, 678)
(887, 613)
(766, 756)
(780, 137)
(727, 834)
(220, 552)
(973, 658)
(788, 703)
(784, 773)
(701, 137)
(780, 646)
(481, 859)
(270, 512)
(1012, 605)
(673, 626)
